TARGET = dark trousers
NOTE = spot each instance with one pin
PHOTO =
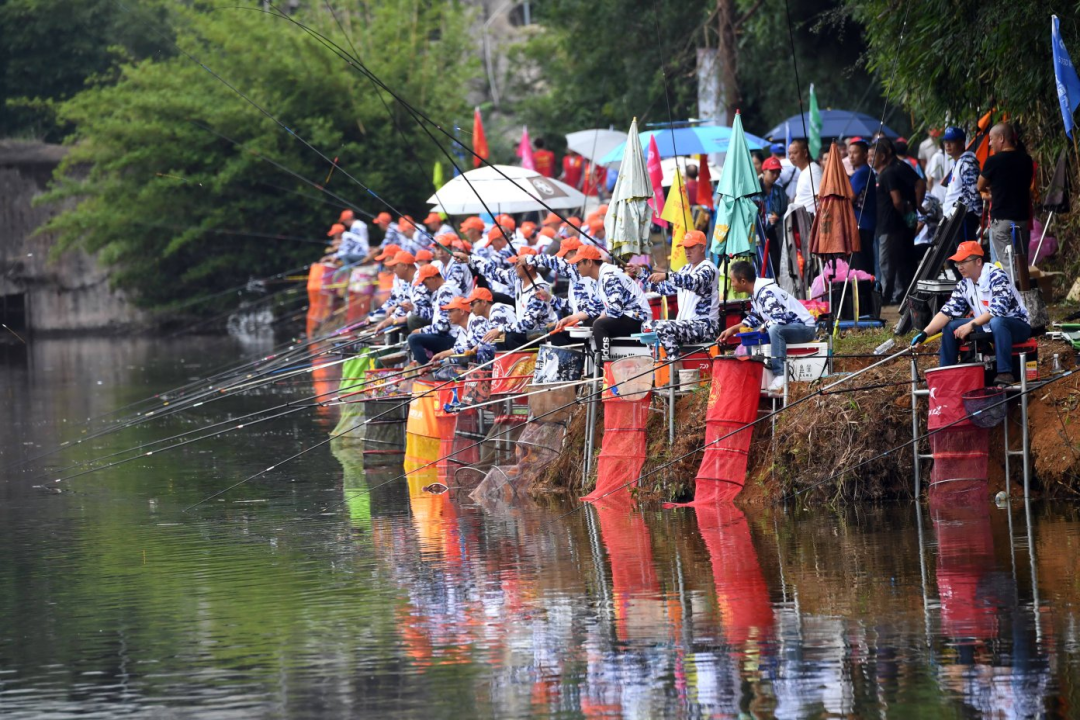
(1006, 332)
(864, 259)
(512, 341)
(423, 345)
(895, 255)
(606, 328)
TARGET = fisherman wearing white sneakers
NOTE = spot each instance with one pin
(775, 311)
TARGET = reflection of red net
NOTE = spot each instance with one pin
(733, 404)
(960, 451)
(622, 451)
(629, 548)
(965, 560)
(741, 592)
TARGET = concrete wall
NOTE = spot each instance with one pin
(70, 294)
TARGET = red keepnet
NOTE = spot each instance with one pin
(960, 451)
(733, 404)
(622, 451)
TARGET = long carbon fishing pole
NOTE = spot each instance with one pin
(576, 401)
(234, 423)
(747, 426)
(935, 431)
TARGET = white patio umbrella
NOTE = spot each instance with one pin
(628, 218)
(668, 165)
(522, 193)
(594, 144)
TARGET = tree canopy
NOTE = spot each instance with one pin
(166, 201)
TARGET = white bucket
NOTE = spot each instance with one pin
(688, 377)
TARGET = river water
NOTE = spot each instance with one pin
(323, 590)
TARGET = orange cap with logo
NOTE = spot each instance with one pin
(428, 271)
(528, 229)
(472, 223)
(335, 229)
(433, 217)
(506, 221)
(966, 249)
(388, 252)
(404, 258)
(694, 237)
(568, 246)
(424, 255)
(458, 303)
(481, 294)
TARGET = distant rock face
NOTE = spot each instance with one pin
(70, 294)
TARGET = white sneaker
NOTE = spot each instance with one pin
(777, 385)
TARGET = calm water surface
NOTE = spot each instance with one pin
(324, 589)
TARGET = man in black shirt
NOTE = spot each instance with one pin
(1007, 174)
(899, 192)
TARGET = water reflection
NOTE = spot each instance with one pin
(400, 603)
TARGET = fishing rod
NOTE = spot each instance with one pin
(767, 416)
(576, 401)
(418, 115)
(363, 423)
(913, 441)
(232, 421)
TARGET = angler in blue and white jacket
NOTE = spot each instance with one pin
(697, 286)
(985, 297)
(775, 311)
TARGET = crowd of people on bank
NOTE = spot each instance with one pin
(485, 286)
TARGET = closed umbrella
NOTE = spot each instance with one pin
(735, 207)
(835, 230)
(627, 221)
(524, 191)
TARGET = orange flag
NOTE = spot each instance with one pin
(704, 183)
(479, 140)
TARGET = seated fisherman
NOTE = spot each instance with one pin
(398, 291)
(500, 317)
(530, 292)
(468, 331)
(413, 308)
(697, 286)
(437, 336)
(774, 310)
(454, 272)
(582, 289)
(987, 295)
(621, 307)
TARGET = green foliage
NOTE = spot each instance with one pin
(152, 185)
(599, 62)
(51, 49)
(961, 58)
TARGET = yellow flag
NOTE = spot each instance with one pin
(677, 212)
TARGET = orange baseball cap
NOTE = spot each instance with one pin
(552, 219)
(433, 217)
(602, 209)
(528, 229)
(404, 257)
(596, 224)
(446, 239)
(458, 303)
(388, 252)
(694, 237)
(547, 231)
(335, 229)
(383, 217)
(505, 221)
(574, 220)
(523, 250)
(428, 271)
(463, 245)
(424, 255)
(346, 215)
(404, 221)
(498, 231)
(966, 249)
(481, 294)
(567, 246)
(472, 223)
(586, 252)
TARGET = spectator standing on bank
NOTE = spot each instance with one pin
(1007, 175)
(863, 184)
(809, 179)
(961, 184)
(899, 194)
(543, 159)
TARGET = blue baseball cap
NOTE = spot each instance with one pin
(954, 133)
(778, 149)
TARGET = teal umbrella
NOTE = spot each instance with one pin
(735, 208)
(627, 221)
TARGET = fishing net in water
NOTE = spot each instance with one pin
(965, 563)
(538, 445)
(733, 404)
(622, 451)
(960, 448)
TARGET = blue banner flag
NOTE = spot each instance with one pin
(1068, 84)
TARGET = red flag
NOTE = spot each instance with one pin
(479, 140)
(704, 183)
(656, 177)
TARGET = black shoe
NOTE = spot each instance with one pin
(1004, 379)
